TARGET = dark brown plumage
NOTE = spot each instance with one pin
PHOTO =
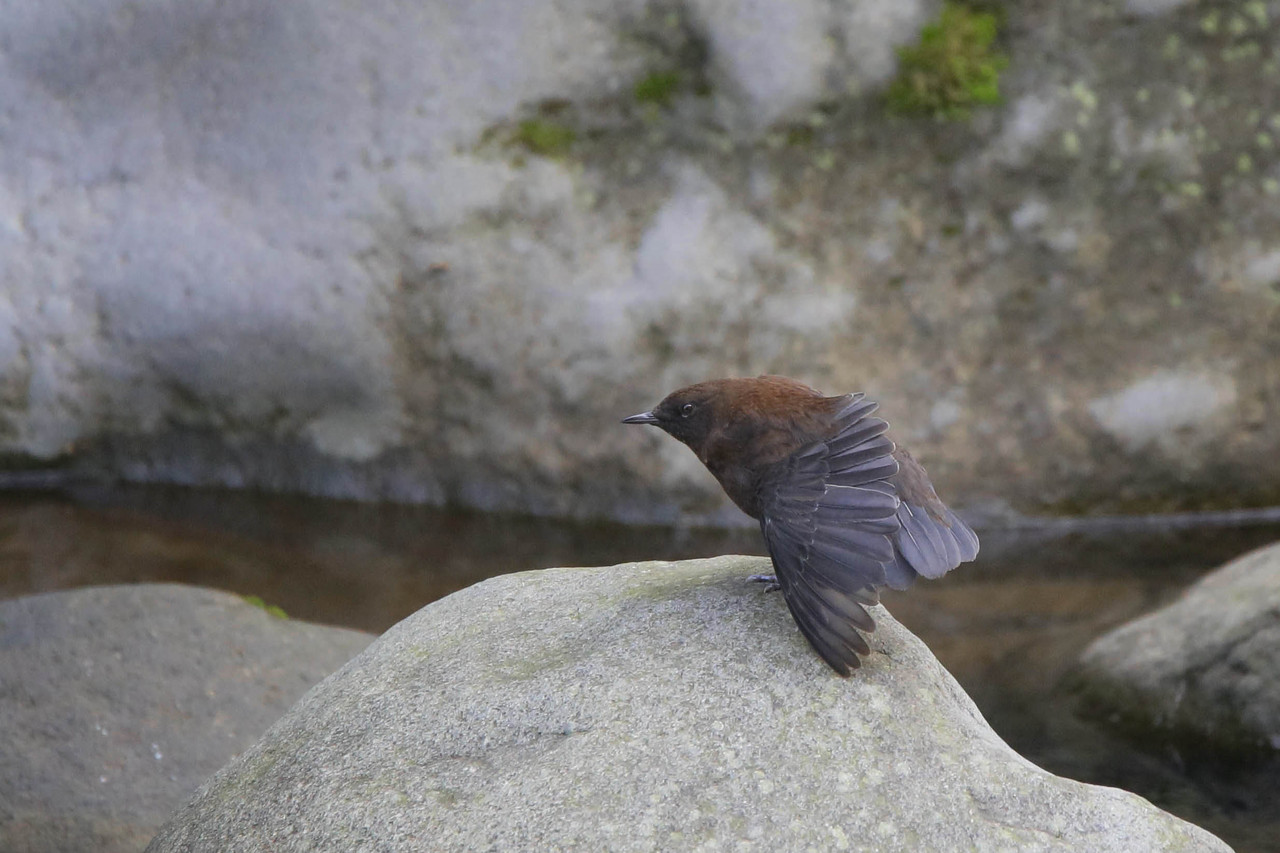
(842, 510)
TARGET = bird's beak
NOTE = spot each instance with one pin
(642, 418)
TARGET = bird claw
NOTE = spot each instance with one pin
(770, 582)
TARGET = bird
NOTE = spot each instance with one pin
(843, 510)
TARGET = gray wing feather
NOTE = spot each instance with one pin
(828, 515)
(928, 545)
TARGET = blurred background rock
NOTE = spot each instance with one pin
(431, 251)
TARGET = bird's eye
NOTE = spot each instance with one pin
(686, 410)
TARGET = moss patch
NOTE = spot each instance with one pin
(272, 609)
(544, 137)
(954, 68)
(657, 88)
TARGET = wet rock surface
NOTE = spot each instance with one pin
(1203, 672)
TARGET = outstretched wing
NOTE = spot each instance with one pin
(828, 514)
(931, 539)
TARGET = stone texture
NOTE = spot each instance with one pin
(117, 702)
(649, 706)
(1204, 671)
(300, 246)
(776, 60)
(1158, 407)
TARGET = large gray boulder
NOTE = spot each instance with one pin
(310, 245)
(650, 706)
(1203, 671)
(117, 702)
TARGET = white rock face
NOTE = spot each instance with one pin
(1156, 408)
(310, 247)
(783, 57)
(191, 189)
(211, 213)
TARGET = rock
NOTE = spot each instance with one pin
(1152, 7)
(433, 252)
(1203, 671)
(117, 702)
(1157, 407)
(777, 60)
(641, 707)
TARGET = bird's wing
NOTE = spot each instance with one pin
(828, 513)
(931, 539)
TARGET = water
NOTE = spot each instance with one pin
(1008, 627)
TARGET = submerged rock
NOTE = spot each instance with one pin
(117, 702)
(1204, 670)
(649, 706)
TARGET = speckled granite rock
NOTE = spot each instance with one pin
(1204, 671)
(312, 246)
(117, 702)
(650, 706)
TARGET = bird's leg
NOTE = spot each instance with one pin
(770, 582)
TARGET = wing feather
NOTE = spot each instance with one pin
(931, 539)
(828, 515)
(847, 515)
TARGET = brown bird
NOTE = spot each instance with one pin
(842, 510)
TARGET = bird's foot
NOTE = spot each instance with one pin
(770, 582)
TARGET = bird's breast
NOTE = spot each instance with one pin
(739, 464)
(742, 487)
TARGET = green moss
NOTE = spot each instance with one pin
(800, 135)
(953, 69)
(1070, 143)
(657, 88)
(544, 138)
(272, 609)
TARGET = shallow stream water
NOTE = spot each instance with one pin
(1008, 627)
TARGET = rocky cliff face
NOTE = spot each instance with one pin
(433, 252)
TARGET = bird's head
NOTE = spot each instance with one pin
(687, 415)
(762, 417)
